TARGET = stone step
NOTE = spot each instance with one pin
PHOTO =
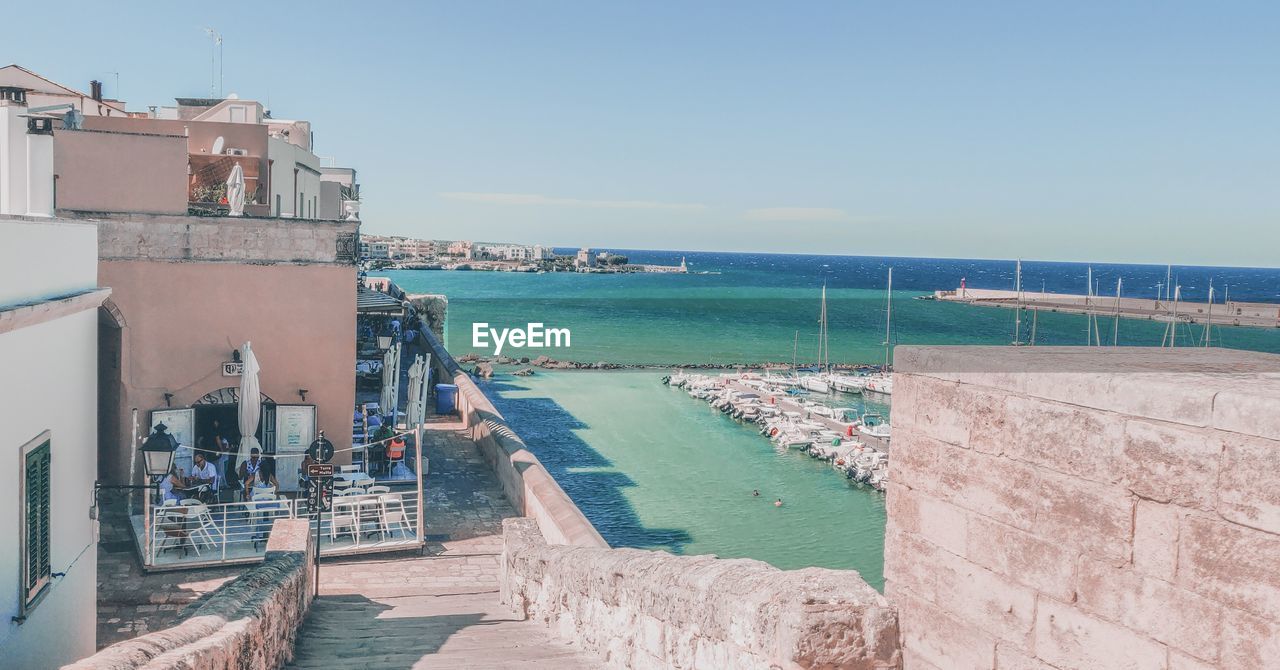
(459, 630)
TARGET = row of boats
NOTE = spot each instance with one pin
(790, 421)
(877, 382)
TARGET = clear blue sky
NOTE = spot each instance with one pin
(1099, 131)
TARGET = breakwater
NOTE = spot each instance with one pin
(1231, 312)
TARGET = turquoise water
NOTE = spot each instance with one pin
(654, 468)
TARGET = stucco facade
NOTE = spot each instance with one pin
(48, 344)
(192, 289)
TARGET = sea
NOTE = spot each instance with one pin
(653, 468)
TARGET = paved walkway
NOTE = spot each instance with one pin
(435, 611)
(132, 602)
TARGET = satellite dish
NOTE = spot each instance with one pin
(217, 145)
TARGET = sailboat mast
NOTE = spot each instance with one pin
(795, 348)
(1017, 320)
(1088, 309)
(888, 319)
(1208, 322)
(1115, 336)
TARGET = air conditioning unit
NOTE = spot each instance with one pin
(237, 152)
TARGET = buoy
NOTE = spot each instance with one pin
(773, 432)
(773, 400)
(848, 430)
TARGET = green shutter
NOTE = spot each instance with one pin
(37, 517)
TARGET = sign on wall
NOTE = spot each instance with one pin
(181, 424)
(295, 429)
(232, 369)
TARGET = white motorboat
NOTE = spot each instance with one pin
(815, 383)
(880, 383)
(874, 425)
(847, 383)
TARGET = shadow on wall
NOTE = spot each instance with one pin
(348, 630)
(548, 430)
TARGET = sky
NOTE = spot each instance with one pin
(1088, 131)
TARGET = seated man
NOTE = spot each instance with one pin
(203, 473)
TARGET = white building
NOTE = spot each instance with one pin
(295, 179)
(48, 440)
(26, 157)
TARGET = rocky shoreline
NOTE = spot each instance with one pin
(482, 366)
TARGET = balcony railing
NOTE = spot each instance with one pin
(193, 534)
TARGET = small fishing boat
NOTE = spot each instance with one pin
(874, 425)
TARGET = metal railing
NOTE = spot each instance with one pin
(198, 534)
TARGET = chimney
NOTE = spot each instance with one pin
(95, 90)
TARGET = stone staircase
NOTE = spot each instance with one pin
(447, 631)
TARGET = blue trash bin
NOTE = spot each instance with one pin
(446, 398)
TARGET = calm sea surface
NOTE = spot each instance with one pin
(654, 468)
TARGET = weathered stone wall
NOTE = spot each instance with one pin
(250, 623)
(526, 483)
(1085, 508)
(651, 609)
(222, 238)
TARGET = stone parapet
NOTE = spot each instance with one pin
(651, 609)
(249, 623)
(222, 239)
(1085, 508)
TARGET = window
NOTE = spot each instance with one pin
(35, 536)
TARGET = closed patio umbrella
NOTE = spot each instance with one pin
(235, 191)
(414, 414)
(390, 375)
(250, 403)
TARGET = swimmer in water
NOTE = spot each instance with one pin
(756, 493)
(777, 503)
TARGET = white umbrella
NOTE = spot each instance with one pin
(424, 384)
(235, 191)
(390, 368)
(415, 390)
(250, 403)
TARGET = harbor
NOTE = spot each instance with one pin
(856, 444)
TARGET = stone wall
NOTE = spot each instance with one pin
(651, 609)
(1085, 508)
(222, 238)
(250, 623)
(526, 483)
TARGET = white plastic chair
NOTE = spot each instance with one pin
(345, 519)
(377, 489)
(394, 515)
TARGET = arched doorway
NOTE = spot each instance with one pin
(113, 444)
(217, 415)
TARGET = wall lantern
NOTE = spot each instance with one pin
(158, 452)
(384, 342)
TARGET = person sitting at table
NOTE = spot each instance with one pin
(203, 473)
(265, 477)
(249, 472)
(170, 484)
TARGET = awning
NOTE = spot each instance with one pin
(376, 302)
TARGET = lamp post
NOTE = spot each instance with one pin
(158, 452)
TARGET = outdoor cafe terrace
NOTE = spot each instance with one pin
(371, 512)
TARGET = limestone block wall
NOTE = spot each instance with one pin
(249, 623)
(1085, 508)
(650, 609)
